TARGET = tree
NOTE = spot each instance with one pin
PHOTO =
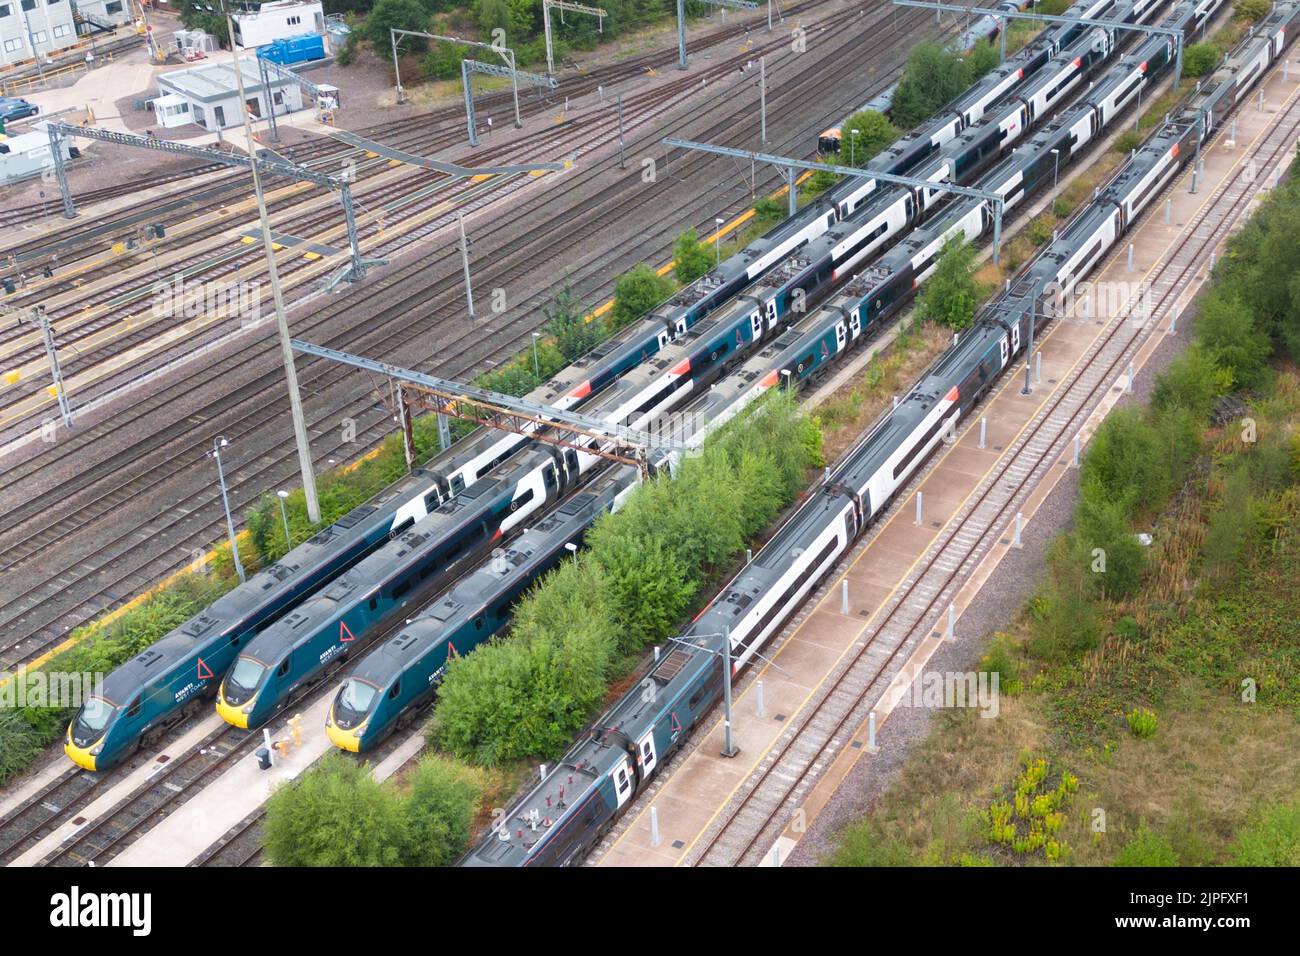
(1229, 334)
(636, 292)
(396, 14)
(566, 321)
(933, 76)
(951, 294)
(874, 133)
(1200, 59)
(1103, 525)
(1193, 382)
(648, 586)
(691, 258)
(314, 821)
(982, 58)
(1124, 463)
(439, 811)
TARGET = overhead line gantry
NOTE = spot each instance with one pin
(543, 423)
(274, 167)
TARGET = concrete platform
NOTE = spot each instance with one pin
(701, 782)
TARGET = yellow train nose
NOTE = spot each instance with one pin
(81, 756)
(230, 713)
(344, 739)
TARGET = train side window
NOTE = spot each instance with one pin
(401, 589)
(234, 641)
(397, 689)
(283, 668)
(134, 710)
(548, 476)
(478, 623)
(457, 484)
(374, 603)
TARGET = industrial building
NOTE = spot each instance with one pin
(279, 21)
(208, 95)
(30, 27)
(106, 13)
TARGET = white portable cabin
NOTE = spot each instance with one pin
(28, 155)
(171, 110)
(279, 21)
(212, 95)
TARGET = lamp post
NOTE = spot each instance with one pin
(537, 366)
(1056, 164)
(853, 147)
(717, 240)
(219, 443)
(273, 274)
(284, 516)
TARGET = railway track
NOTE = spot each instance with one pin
(105, 313)
(125, 476)
(769, 799)
(453, 115)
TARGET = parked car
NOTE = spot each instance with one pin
(12, 108)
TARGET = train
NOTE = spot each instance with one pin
(317, 638)
(153, 692)
(578, 799)
(952, 118)
(397, 681)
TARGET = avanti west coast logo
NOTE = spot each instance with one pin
(77, 909)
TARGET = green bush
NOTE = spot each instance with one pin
(691, 258)
(874, 133)
(1193, 381)
(439, 811)
(1251, 10)
(1141, 722)
(1147, 848)
(636, 292)
(768, 212)
(1124, 462)
(529, 691)
(1003, 658)
(1065, 620)
(934, 75)
(1200, 59)
(566, 322)
(951, 295)
(867, 844)
(1272, 838)
(982, 58)
(387, 15)
(314, 821)
(1227, 330)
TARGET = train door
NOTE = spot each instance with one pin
(622, 780)
(756, 326)
(855, 324)
(681, 327)
(841, 336)
(646, 755)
